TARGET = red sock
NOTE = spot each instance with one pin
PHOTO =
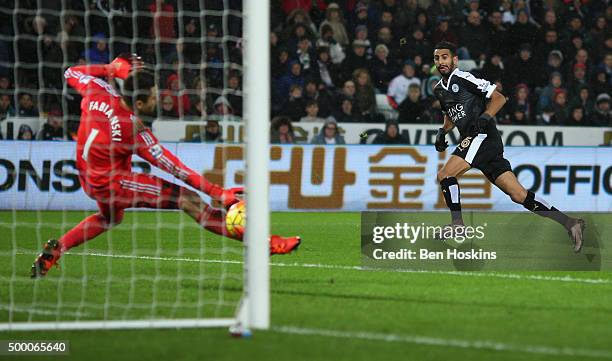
(213, 219)
(89, 228)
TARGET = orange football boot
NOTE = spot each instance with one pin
(284, 245)
(46, 259)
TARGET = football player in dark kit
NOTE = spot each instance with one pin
(470, 104)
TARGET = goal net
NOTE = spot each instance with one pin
(157, 268)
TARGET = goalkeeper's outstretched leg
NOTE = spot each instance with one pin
(213, 219)
(144, 191)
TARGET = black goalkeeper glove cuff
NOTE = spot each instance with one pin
(441, 143)
(483, 123)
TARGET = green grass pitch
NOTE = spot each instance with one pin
(323, 305)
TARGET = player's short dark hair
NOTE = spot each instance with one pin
(447, 45)
(138, 86)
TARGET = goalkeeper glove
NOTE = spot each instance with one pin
(441, 143)
(121, 66)
(230, 196)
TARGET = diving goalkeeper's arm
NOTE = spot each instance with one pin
(148, 148)
(145, 144)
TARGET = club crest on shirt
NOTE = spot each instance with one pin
(464, 144)
(455, 88)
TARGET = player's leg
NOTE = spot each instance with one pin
(139, 190)
(147, 191)
(471, 152)
(92, 226)
(447, 177)
(213, 219)
(510, 185)
(89, 228)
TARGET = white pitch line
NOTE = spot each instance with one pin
(514, 276)
(43, 312)
(448, 342)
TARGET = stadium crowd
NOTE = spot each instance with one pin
(330, 60)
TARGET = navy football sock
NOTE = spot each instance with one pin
(540, 207)
(450, 190)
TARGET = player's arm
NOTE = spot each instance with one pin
(494, 99)
(448, 124)
(80, 76)
(441, 143)
(495, 103)
(147, 147)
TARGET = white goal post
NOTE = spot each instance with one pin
(257, 90)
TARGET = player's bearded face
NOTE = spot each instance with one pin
(445, 61)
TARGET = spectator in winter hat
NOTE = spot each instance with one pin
(334, 18)
(602, 116)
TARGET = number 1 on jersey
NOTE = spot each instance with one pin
(90, 139)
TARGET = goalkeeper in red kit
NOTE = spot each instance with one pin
(109, 134)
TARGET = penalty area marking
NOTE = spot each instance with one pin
(514, 276)
(447, 342)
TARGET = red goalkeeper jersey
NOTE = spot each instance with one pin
(110, 133)
(106, 136)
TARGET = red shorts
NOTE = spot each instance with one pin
(136, 190)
